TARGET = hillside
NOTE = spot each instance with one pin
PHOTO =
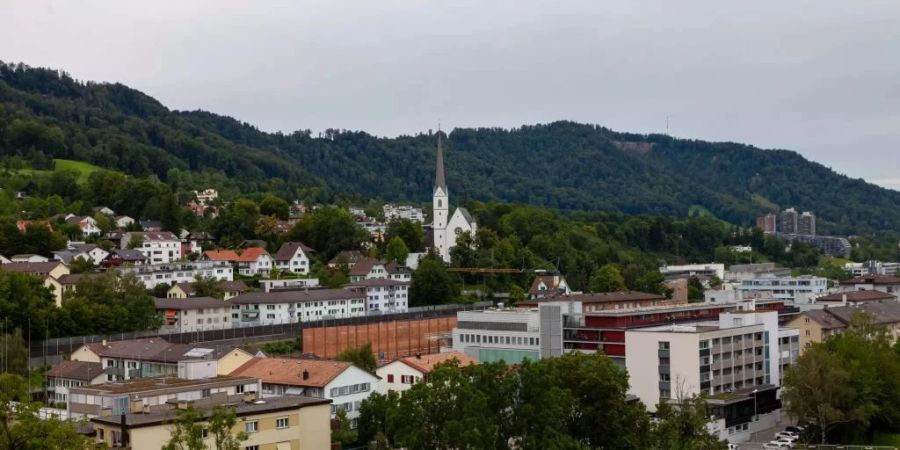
(563, 165)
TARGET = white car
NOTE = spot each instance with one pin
(786, 435)
(783, 443)
(771, 446)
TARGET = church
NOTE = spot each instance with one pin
(446, 228)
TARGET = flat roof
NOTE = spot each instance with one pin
(159, 383)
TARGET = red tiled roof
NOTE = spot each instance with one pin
(426, 363)
(252, 254)
(289, 372)
(221, 255)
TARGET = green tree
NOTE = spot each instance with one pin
(208, 287)
(409, 231)
(432, 284)
(186, 432)
(362, 357)
(695, 289)
(271, 205)
(607, 279)
(329, 230)
(221, 424)
(81, 265)
(396, 251)
(237, 222)
(343, 434)
(21, 427)
(683, 426)
(13, 353)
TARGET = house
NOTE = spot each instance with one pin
(266, 308)
(370, 268)
(548, 286)
(124, 221)
(29, 258)
(230, 289)
(160, 247)
(228, 256)
(124, 257)
(49, 272)
(855, 298)
(196, 240)
(189, 314)
(4, 260)
(87, 224)
(255, 261)
(816, 325)
(278, 423)
(400, 374)
(154, 274)
(104, 210)
(384, 295)
(883, 283)
(88, 252)
(151, 225)
(206, 196)
(68, 374)
(341, 382)
(883, 314)
(293, 257)
(347, 258)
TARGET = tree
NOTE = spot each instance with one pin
(187, 431)
(396, 251)
(817, 390)
(695, 289)
(271, 205)
(208, 287)
(683, 426)
(329, 230)
(432, 284)
(362, 357)
(343, 434)
(221, 424)
(81, 265)
(237, 222)
(21, 427)
(607, 279)
(409, 231)
(13, 353)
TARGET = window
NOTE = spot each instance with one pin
(281, 422)
(239, 389)
(663, 345)
(251, 427)
(251, 447)
(390, 378)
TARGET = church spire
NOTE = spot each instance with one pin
(439, 181)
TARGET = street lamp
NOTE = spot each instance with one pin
(755, 415)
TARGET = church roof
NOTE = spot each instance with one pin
(439, 181)
(466, 215)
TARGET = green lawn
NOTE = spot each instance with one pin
(84, 169)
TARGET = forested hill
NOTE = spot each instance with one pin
(561, 165)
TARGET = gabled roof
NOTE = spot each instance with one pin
(190, 303)
(348, 257)
(551, 281)
(873, 279)
(393, 268)
(882, 313)
(824, 319)
(857, 296)
(466, 215)
(426, 363)
(252, 254)
(129, 254)
(221, 255)
(139, 349)
(158, 236)
(32, 268)
(289, 249)
(227, 286)
(290, 372)
(364, 266)
(75, 278)
(76, 370)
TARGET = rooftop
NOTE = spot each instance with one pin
(857, 296)
(291, 372)
(140, 385)
(190, 303)
(76, 370)
(296, 296)
(427, 363)
(873, 279)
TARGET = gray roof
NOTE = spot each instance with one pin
(289, 249)
(129, 254)
(882, 313)
(373, 282)
(40, 268)
(466, 215)
(76, 370)
(75, 278)
(311, 295)
(190, 303)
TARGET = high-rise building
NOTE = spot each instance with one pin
(807, 224)
(767, 223)
(788, 221)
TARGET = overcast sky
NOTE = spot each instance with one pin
(821, 77)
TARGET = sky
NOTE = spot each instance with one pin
(821, 77)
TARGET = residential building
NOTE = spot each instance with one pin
(819, 325)
(193, 314)
(607, 301)
(548, 286)
(407, 212)
(288, 284)
(446, 229)
(816, 325)
(148, 395)
(206, 196)
(342, 382)
(4, 260)
(160, 247)
(278, 424)
(741, 272)
(105, 210)
(88, 252)
(767, 223)
(383, 294)
(735, 361)
(29, 258)
(87, 224)
(228, 256)
(787, 288)
(152, 275)
(370, 268)
(806, 224)
(124, 257)
(255, 261)
(151, 225)
(882, 283)
(124, 221)
(788, 222)
(69, 374)
(693, 270)
(830, 245)
(348, 258)
(266, 308)
(41, 270)
(230, 289)
(67, 284)
(400, 374)
(293, 257)
(855, 298)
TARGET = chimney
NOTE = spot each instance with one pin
(249, 397)
(103, 343)
(137, 406)
(183, 404)
(844, 299)
(123, 423)
(305, 374)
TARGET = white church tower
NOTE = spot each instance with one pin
(446, 228)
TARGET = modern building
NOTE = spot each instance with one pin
(343, 383)
(882, 283)
(189, 314)
(767, 223)
(787, 288)
(400, 374)
(70, 374)
(608, 301)
(160, 247)
(170, 274)
(293, 257)
(407, 212)
(446, 229)
(693, 270)
(383, 294)
(741, 272)
(806, 224)
(266, 308)
(830, 245)
(284, 423)
(288, 284)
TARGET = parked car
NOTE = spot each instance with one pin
(783, 443)
(771, 446)
(786, 435)
(795, 429)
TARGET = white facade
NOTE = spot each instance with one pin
(124, 221)
(152, 275)
(292, 258)
(786, 288)
(159, 247)
(490, 335)
(193, 314)
(695, 269)
(288, 283)
(258, 308)
(392, 212)
(261, 265)
(348, 390)
(446, 228)
(29, 259)
(386, 296)
(397, 376)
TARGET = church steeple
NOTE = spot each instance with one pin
(439, 181)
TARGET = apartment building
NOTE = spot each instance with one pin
(170, 274)
(265, 308)
(881, 283)
(160, 247)
(189, 314)
(408, 212)
(383, 294)
(767, 223)
(818, 325)
(402, 373)
(787, 288)
(288, 284)
(70, 374)
(855, 298)
(369, 268)
(512, 334)
(341, 382)
(735, 361)
(230, 289)
(692, 270)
